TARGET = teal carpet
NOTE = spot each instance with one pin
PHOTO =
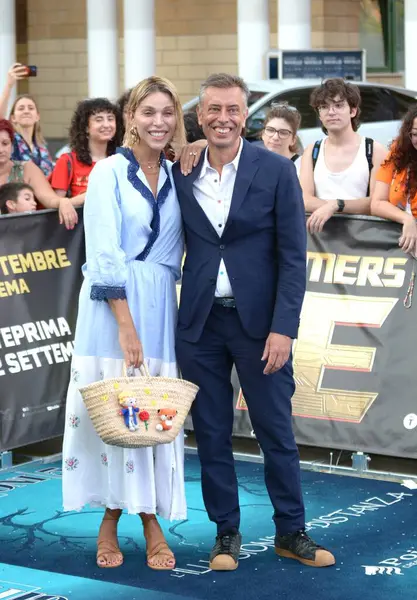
(370, 525)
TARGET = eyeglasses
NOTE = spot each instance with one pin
(283, 134)
(336, 106)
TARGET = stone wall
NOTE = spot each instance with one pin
(193, 38)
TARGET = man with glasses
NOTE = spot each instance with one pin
(338, 173)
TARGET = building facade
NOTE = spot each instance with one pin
(101, 47)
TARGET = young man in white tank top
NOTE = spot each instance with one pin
(339, 175)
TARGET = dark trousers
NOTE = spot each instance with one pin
(208, 363)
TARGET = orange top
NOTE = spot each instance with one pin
(398, 186)
(71, 176)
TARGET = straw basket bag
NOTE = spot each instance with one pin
(158, 408)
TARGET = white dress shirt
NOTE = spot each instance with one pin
(214, 195)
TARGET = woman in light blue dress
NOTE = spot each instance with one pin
(127, 314)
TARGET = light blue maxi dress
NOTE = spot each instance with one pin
(123, 222)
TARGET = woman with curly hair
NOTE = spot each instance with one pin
(122, 103)
(95, 133)
(395, 192)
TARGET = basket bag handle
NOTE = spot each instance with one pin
(130, 371)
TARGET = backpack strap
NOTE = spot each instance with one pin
(315, 153)
(70, 167)
(369, 150)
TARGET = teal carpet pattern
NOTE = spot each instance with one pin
(46, 554)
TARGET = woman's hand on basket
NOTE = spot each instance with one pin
(131, 346)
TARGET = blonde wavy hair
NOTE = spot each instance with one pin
(144, 88)
(37, 132)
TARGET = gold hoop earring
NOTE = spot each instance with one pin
(134, 133)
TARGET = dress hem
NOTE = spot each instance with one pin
(150, 510)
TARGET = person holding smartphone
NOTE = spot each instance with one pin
(29, 143)
(15, 171)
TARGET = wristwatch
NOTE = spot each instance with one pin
(340, 205)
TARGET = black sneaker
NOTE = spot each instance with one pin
(300, 546)
(225, 553)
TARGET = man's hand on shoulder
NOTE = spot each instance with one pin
(277, 352)
(320, 216)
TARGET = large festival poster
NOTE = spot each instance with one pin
(40, 277)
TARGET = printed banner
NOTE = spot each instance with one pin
(355, 357)
(354, 360)
(40, 278)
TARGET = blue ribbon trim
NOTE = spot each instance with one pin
(102, 293)
(147, 194)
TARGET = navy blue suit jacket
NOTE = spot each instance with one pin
(263, 246)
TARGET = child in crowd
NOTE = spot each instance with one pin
(16, 198)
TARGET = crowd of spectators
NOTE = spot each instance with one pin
(341, 173)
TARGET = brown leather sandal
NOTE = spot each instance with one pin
(161, 549)
(106, 547)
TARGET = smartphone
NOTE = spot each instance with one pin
(31, 70)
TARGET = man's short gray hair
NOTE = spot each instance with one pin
(224, 81)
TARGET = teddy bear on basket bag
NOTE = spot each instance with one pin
(166, 416)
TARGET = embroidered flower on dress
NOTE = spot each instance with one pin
(104, 460)
(130, 467)
(71, 463)
(75, 375)
(73, 421)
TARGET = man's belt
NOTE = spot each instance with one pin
(225, 302)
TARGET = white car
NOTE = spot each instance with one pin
(382, 108)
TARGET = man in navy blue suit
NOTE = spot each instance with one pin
(242, 290)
